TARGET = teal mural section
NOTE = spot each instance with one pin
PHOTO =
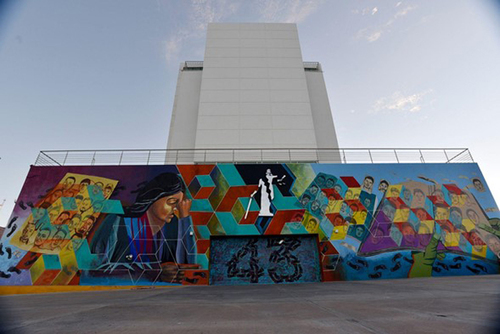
(153, 225)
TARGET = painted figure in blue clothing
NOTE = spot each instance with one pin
(154, 232)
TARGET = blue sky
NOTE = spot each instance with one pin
(102, 74)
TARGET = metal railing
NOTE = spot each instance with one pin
(203, 156)
(198, 65)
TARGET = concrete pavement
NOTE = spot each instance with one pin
(426, 305)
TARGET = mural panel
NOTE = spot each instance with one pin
(143, 225)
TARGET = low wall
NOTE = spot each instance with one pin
(152, 225)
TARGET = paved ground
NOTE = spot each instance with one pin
(428, 305)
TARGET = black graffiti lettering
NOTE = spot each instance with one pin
(285, 267)
(396, 267)
(254, 271)
(380, 267)
(480, 266)
(475, 271)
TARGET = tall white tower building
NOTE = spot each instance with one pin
(252, 91)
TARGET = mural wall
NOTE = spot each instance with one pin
(143, 225)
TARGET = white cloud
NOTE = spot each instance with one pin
(373, 34)
(365, 11)
(399, 3)
(405, 11)
(287, 11)
(398, 102)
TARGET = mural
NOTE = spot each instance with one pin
(249, 223)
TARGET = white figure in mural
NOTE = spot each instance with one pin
(266, 194)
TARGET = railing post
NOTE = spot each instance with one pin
(370, 153)
(121, 157)
(176, 156)
(93, 159)
(343, 156)
(446, 155)
(65, 157)
(396, 154)
(149, 156)
(421, 156)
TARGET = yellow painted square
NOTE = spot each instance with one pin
(479, 250)
(426, 227)
(402, 215)
(393, 191)
(452, 239)
(468, 224)
(360, 217)
(339, 232)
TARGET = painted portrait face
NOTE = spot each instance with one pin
(107, 191)
(330, 183)
(421, 214)
(320, 180)
(359, 231)
(68, 183)
(407, 194)
(61, 218)
(338, 221)
(41, 237)
(314, 189)
(478, 185)
(315, 205)
(85, 205)
(455, 199)
(58, 238)
(362, 215)
(86, 225)
(441, 213)
(338, 188)
(75, 221)
(28, 231)
(53, 215)
(348, 194)
(389, 211)
(377, 235)
(83, 185)
(311, 225)
(163, 209)
(472, 215)
(419, 197)
(304, 200)
(368, 183)
(56, 195)
(383, 186)
(439, 196)
(367, 202)
(494, 245)
(394, 192)
(408, 234)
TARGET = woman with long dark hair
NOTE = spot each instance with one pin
(157, 228)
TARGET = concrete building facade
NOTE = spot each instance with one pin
(252, 90)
